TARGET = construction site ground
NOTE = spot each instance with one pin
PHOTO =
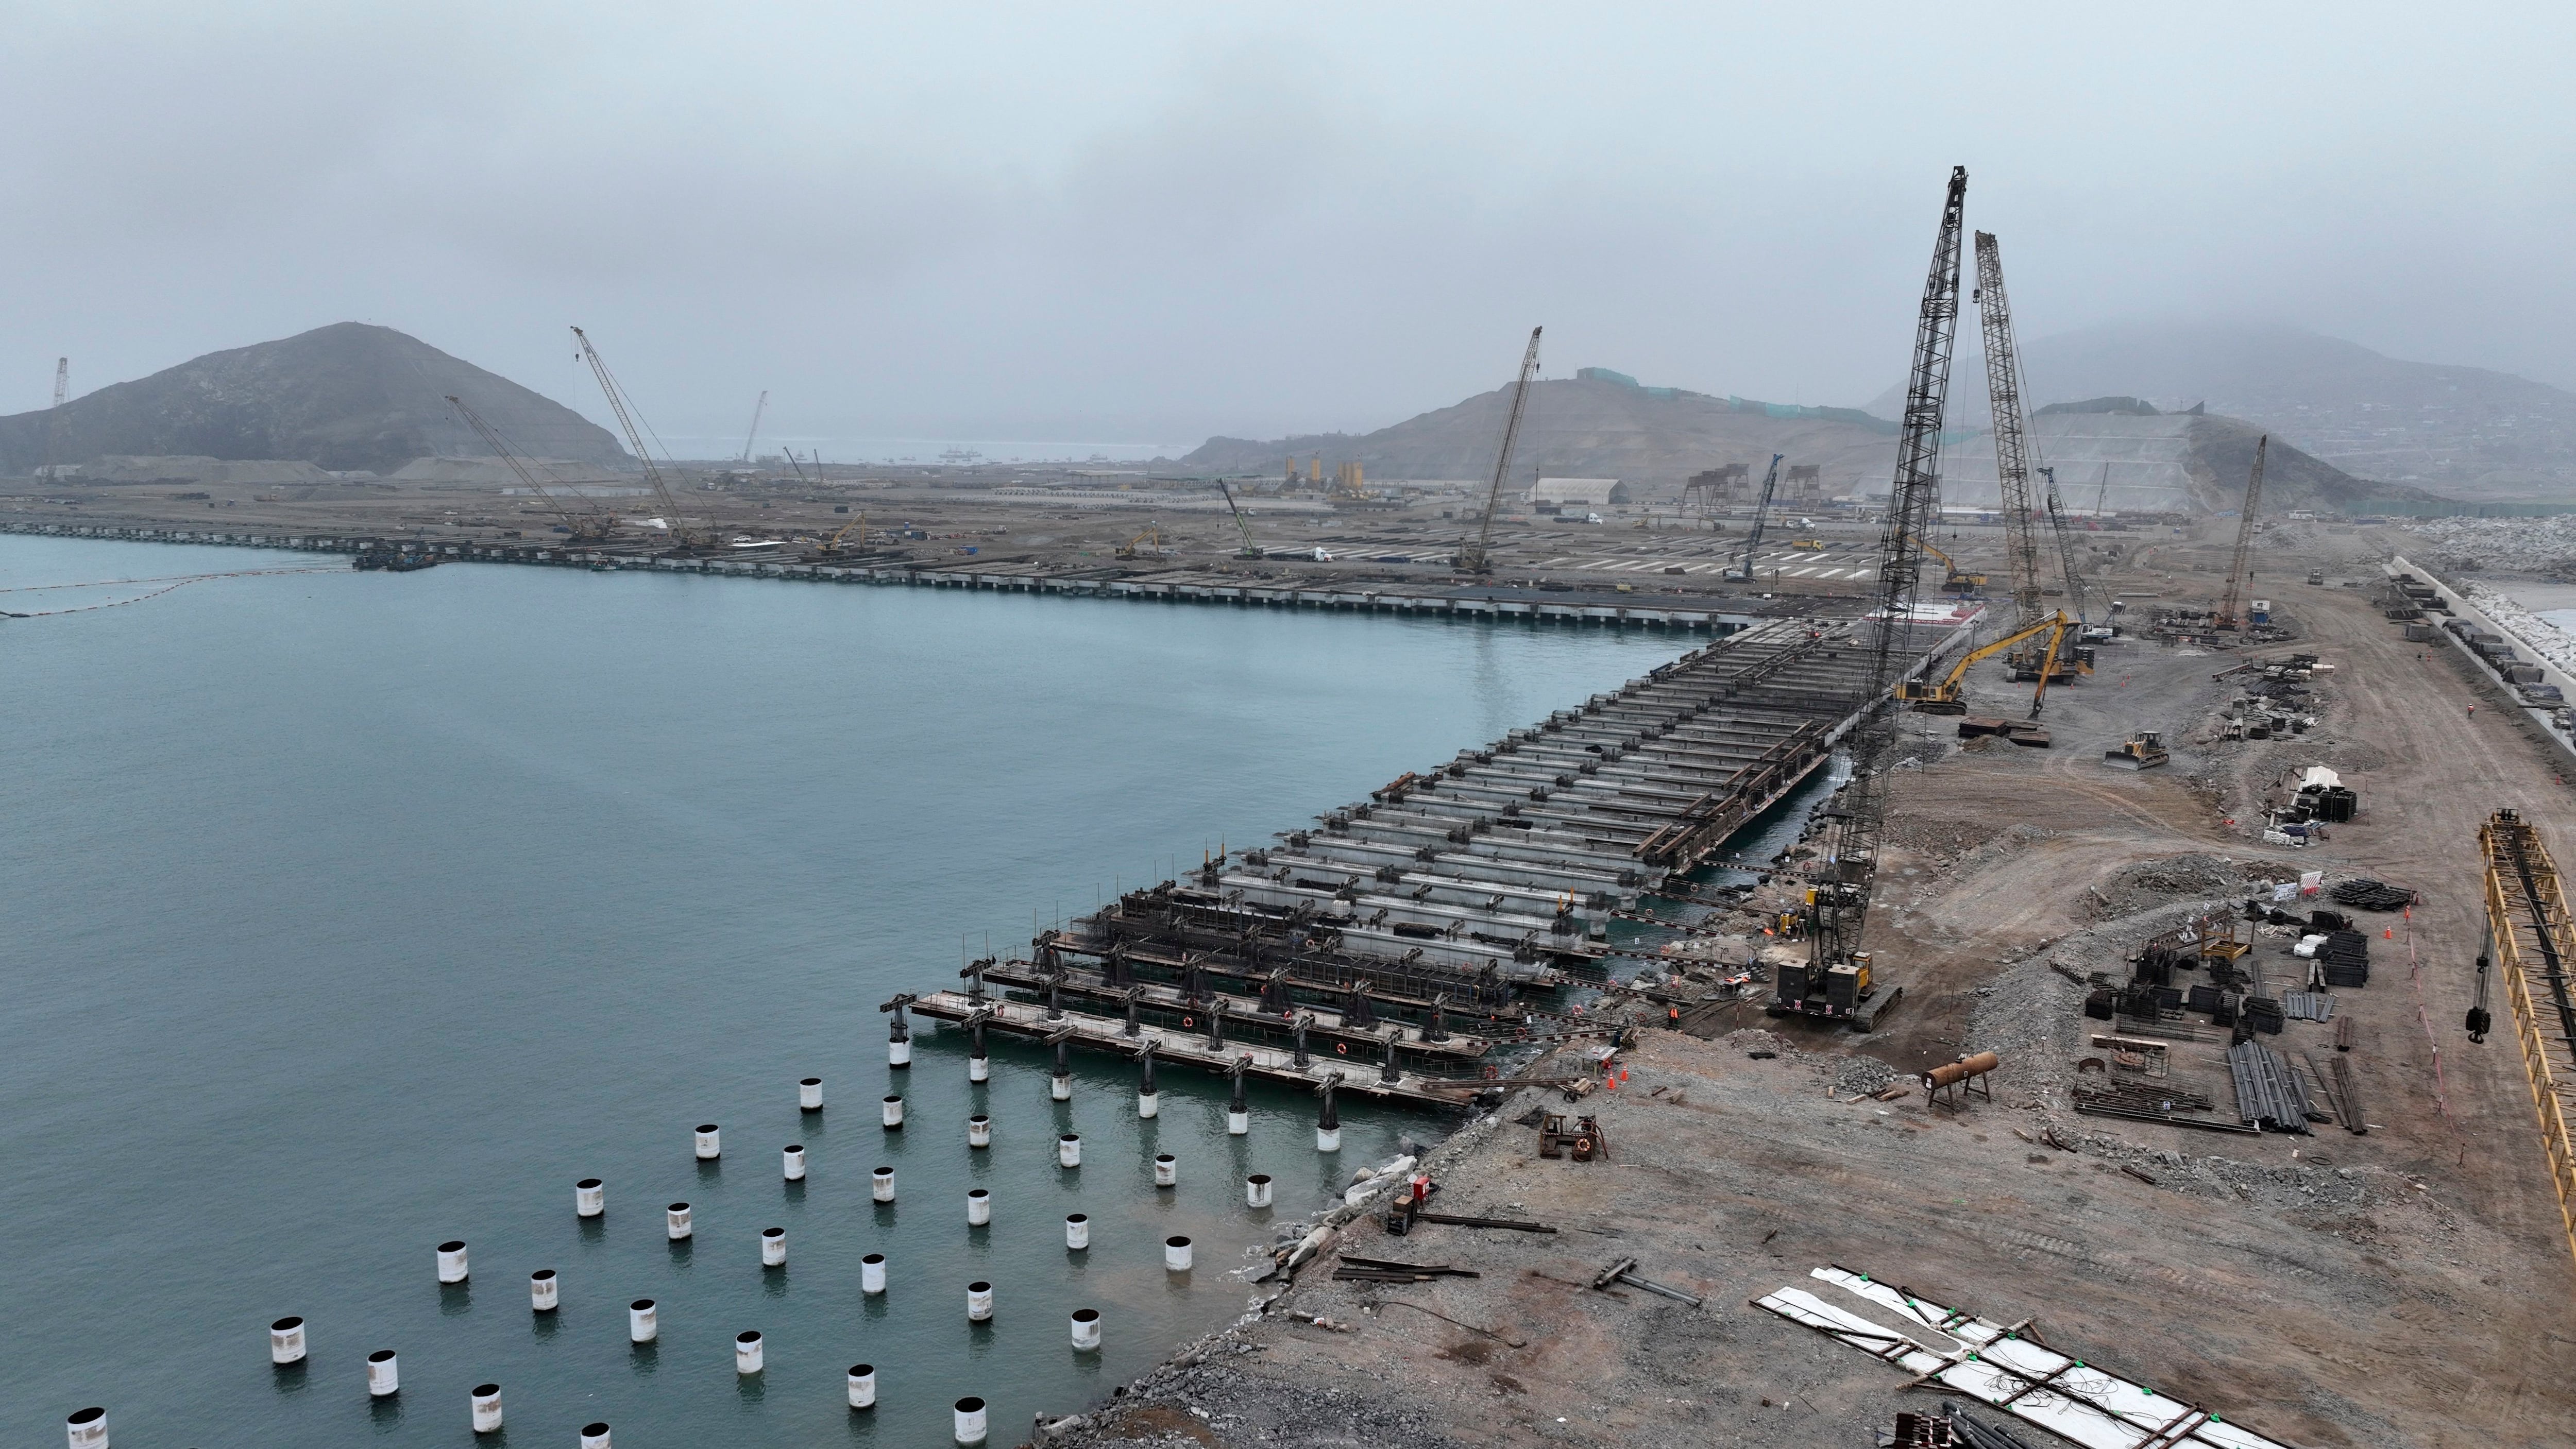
(2409, 1286)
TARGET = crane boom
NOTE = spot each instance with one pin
(2012, 441)
(584, 527)
(618, 404)
(1473, 558)
(860, 523)
(1941, 696)
(1761, 513)
(2231, 612)
(1840, 910)
(1250, 549)
(753, 436)
(2065, 546)
(54, 418)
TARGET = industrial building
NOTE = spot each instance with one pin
(1589, 492)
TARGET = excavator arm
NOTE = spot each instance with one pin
(1942, 696)
(1952, 579)
(2057, 627)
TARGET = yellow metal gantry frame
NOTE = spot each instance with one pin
(2533, 945)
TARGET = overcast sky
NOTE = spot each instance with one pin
(1156, 222)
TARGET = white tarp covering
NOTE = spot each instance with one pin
(1994, 1364)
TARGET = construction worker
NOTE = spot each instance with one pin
(2473, 711)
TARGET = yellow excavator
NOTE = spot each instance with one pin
(858, 525)
(1135, 546)
(1953, 580)
(1941, 696)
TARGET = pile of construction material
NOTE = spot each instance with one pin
(2343, 959)
(2371, 895)
(2322, 796)
(2278, 698)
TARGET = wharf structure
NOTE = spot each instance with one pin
(1398, 946)
(1402, 945)
(1603, 607)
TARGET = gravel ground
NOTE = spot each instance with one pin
(2408, 1287)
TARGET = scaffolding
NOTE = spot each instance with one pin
(2533, 945)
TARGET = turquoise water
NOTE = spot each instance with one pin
(346, 913)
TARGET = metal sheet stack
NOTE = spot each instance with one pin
(2269, 1093)
(2307, 1005)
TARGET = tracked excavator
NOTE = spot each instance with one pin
(1954, 580)
(2046, 639)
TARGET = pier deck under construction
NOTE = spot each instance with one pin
(1393, 936)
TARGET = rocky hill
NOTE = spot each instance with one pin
(1597, 426)
(1603, 426)
(348, 397)
(2467, 432)
(2127, 459)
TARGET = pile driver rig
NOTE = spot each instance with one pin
(1474, 556)
(688, 539)
(1834, 981)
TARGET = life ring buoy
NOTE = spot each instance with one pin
(1343, 1047)
(1185, 1021)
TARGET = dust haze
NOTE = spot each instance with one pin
(1158, 223)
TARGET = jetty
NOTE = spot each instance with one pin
(1403, 945)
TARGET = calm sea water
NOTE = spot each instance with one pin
(344, 913)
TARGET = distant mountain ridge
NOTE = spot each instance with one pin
(1603, 425)
(1589, 426)
(349, 397)
(2468, 432)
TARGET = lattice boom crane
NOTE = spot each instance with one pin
(1473, 557)
(618, 404)
(2012, 442)
(2231, 610)
(1836, 980)
(584, 525)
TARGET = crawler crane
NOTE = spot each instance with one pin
(1834, 982)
